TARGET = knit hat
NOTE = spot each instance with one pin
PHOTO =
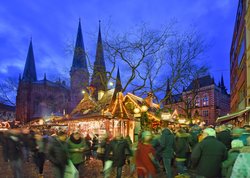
(237, 144)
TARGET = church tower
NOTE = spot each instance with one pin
(23, 99)
(79, 74)
(99, 77)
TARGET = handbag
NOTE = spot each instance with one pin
(71, 171)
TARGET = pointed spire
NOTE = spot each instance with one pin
(118, 85)
(223, 87)
(222, 81)
(44, 77)
(168, 95)
(29, 73)
(99, 77)
(212, 80)
(79, 59)
(99, 49)
(219, 84)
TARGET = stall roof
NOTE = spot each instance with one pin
(232, 116)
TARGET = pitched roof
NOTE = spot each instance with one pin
(7, 107)
(50, 83)
(201, 82)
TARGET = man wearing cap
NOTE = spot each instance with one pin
(208, 155)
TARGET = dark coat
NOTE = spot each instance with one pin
(58, 152)
(14, 148)
(118, 149)
(225, 137)
(207, 157)
(167, 143)
(182, 145)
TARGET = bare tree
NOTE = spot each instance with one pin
(8, 90)
(137, 51)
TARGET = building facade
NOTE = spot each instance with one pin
(202, 100)
(239, 60)
(40, 98)
(240, 68)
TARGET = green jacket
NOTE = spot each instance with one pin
(76, 150)
(227, 165)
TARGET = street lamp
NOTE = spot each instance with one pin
(111, 84)
(144, 108)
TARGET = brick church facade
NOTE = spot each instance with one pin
(202, 99)
(39, 98)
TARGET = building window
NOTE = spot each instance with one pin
(241, 51)
(205, 113)
(205, 100)
(197, 102)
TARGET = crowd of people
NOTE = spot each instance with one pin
(192, 151)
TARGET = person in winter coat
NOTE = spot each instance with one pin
(14, 152)
(167, 149)
(89, 144)
(182, 150)
(208, 155)
(233, 153)
(94, 147)
(119, 147)
(245, 134)
(146, 163)
(224, 136)
(58, 153)
(76, 147)
(241, 167)
(38, 149)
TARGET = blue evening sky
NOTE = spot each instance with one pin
(53, 26)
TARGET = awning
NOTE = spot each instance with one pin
(232, 116)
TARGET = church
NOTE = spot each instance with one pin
(39, 98)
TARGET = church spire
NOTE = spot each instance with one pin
(79, 59)
(99, 77)
(99, 49)
(222, 85)
(222, 81)
(168, 93)
(29, 74)
(118, 85)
